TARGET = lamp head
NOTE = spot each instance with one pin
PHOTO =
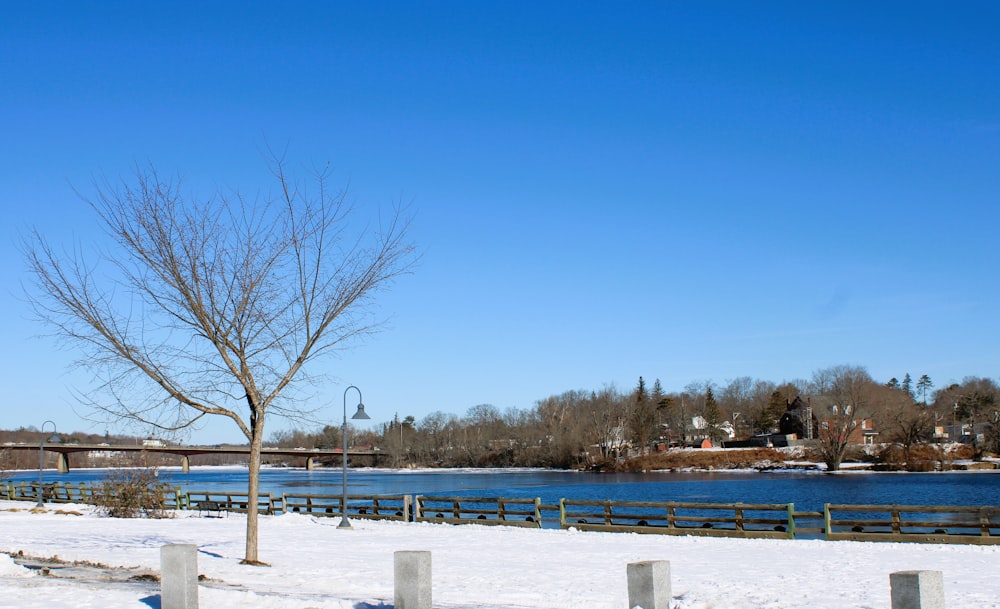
(360, 414)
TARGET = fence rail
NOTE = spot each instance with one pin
(377, 507)
(918, 523)
(896, 523)
(79, 493)
(229, 502)
(774, 521)
(479, 510)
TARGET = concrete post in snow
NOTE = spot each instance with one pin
(649, 584)
(917, 589)
(412, 577)
(179, 576)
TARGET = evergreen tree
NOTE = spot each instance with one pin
(893, 383)
(713, 417)
(924, 385)
(657, 393)
(907, 384)
(642, 419)
(641, 395)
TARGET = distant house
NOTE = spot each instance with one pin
(863, 432)
(798, 419)
(868, 433)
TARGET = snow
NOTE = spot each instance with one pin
(315, 565)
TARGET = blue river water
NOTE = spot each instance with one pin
(807, 490)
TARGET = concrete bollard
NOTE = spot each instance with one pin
(179, 576)
(649, 584)
(412, 576)
(917, 589)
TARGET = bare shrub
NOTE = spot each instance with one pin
(893, 457)
(744, 458)
(133, 493)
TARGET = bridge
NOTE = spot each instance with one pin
(311, 455)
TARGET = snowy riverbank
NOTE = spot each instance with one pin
(314, 565)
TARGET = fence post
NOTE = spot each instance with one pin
(649, 584)
(412, 579)
(418, 510)
(179, 576)
(917, 589)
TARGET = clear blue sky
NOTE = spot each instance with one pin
(686, 191)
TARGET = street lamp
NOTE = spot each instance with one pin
(360, 414)
(41, 459)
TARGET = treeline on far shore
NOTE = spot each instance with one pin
(941, 457)
(840, 414)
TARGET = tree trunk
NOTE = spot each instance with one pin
(253, 491)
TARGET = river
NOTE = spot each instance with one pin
(807, 490)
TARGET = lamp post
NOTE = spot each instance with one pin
(41, 460)
(360, 414)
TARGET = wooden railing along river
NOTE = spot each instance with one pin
(897, 523)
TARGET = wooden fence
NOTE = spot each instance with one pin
(379, 507)
(68, 493)
(918, 523)
(896, 523)
(773, 521)
(479, 510)
(227, 502)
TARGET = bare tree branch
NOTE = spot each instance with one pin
(215, 306)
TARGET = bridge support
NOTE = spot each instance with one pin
(185, 464)
(62, 463)
(309, 464)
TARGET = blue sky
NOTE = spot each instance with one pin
(687, 191)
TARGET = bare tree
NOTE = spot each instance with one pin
(215, 307)
(847, 391)
(976, 402)
(563, 426)
(903, 421)
(738, 399)
(764, 412)
(606, 413)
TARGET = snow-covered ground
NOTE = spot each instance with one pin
(315, 565)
